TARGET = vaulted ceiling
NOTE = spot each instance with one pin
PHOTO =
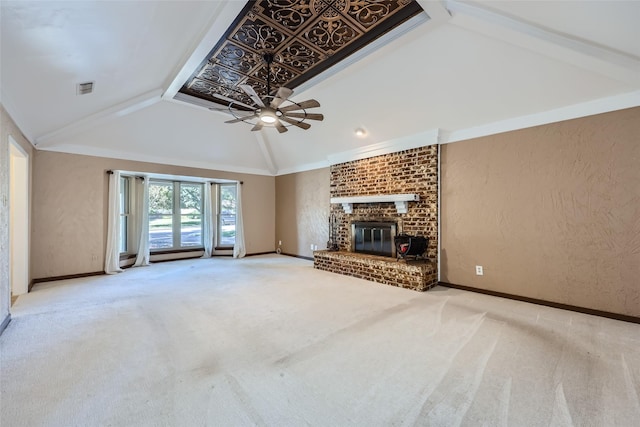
(451, 71)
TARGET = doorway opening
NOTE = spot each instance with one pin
(18, 219)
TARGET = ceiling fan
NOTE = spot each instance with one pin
(270, 110)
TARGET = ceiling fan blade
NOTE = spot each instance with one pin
(253, 95)
(242, 119)
(282, 95)
(231, 100)
(311, 103)
(310, 116)
(281, 128)
(221, 109)
(301, 125)
(258, 126)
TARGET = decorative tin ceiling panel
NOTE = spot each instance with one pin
(305, 37)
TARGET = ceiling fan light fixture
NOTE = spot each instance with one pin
(268, 117)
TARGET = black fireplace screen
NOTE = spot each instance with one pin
(375, 238)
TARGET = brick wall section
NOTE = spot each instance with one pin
(416, 275)
(412, 171)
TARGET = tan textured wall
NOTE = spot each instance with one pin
(551, 212)
(70, 195)
(7, 128)
(302, 211)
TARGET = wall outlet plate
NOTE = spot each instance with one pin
(479, 271)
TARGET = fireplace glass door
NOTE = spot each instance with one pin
(375, 238)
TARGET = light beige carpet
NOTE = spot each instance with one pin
(270, 341)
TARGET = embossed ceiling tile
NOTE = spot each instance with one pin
(259, 85)
(255, 33)
(280, 75)
(290, 14)
(239, 95)
(320, 5)
(331, 35)
(219, 75)
(299, 56)
(206, 90)
(237, 58)
(205, 87)
(370, 13)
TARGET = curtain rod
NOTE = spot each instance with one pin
(110, 172)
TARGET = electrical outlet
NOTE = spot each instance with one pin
(315, 247)
(479, 271)
(311, 246)
(279, 242)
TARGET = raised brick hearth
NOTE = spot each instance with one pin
(413, 171)
(419, 275)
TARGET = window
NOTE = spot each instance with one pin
(191, 214)
(227, 215)
(125, 214)
(175, 215)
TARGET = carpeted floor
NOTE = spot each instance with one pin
(270, 341)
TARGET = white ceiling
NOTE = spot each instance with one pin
(473, 69)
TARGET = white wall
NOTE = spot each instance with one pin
(5, 286)
(19, 218)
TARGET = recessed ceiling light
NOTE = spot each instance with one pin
(360, 133)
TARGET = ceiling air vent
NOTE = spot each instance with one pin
(84, 88)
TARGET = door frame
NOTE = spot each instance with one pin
(19, 218)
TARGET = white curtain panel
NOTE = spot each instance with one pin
(208, 222)
(238, 248)
(142, 226)
(112, 259)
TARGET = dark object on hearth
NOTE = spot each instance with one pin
(411, 246)
(332, 244)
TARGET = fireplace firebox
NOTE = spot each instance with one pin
(374, 238)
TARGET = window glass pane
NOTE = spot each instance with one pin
(190, 215)
(124, 213)
(123, 234)
(227, 226)
(160, 215)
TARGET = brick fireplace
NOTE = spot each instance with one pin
(411, 172)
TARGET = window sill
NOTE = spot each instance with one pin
(177, 251)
